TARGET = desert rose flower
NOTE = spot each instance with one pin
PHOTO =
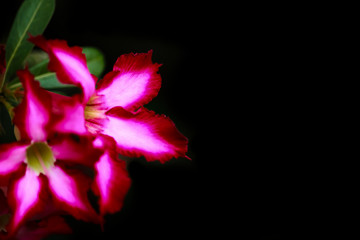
(115, 106)
(37, 168)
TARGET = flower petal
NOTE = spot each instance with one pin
(112, 181)
(70, 193)
(11, 157)
(145, 134)
(25, 198)
(70, 114)
(75, 149)
(133, 83)
(69, 63)
(33, 113)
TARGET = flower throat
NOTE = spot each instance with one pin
(39, 157)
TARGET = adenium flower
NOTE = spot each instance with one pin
(115, 106)
(37, 168)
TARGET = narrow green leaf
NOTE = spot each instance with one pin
(32, 17)
(40, 68)
(50, 81)
(95, 60)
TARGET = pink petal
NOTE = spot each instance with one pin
(69, 63)
(75, 149)
(11, 157)
(25, 198)
(133, 83)
(70, 114)
(145, 134)
(112, 181)
(33, 113)
(70, 193)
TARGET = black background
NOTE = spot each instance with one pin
(225, 85)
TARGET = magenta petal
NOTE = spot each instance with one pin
(11, 157)
(145, 134)
(70, 114)
(33, 113)
(24, 197)
(75, 149)
(69, 63)
(64, 187)
(71, 194)
(112, 181)
(133, 83)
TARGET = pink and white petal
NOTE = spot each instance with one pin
(133, 83)
(12, 155)
(112, 181)
(69, 112)
(70, 194)
(39, 230)
(75, 149)
(69, 63)
(26, 198)
(32, 115)
(145, 134)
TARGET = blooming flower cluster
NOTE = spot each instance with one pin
(70, 145)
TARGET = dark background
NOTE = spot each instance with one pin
(225, 85)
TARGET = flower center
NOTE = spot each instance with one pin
(94, 114)
(39, 157)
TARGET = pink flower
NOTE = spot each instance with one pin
(115, 106)
(38, 167)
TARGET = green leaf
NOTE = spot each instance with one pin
(38, 64)
(39, 69)
(32, 17)
(50, 81)
(95, 60)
